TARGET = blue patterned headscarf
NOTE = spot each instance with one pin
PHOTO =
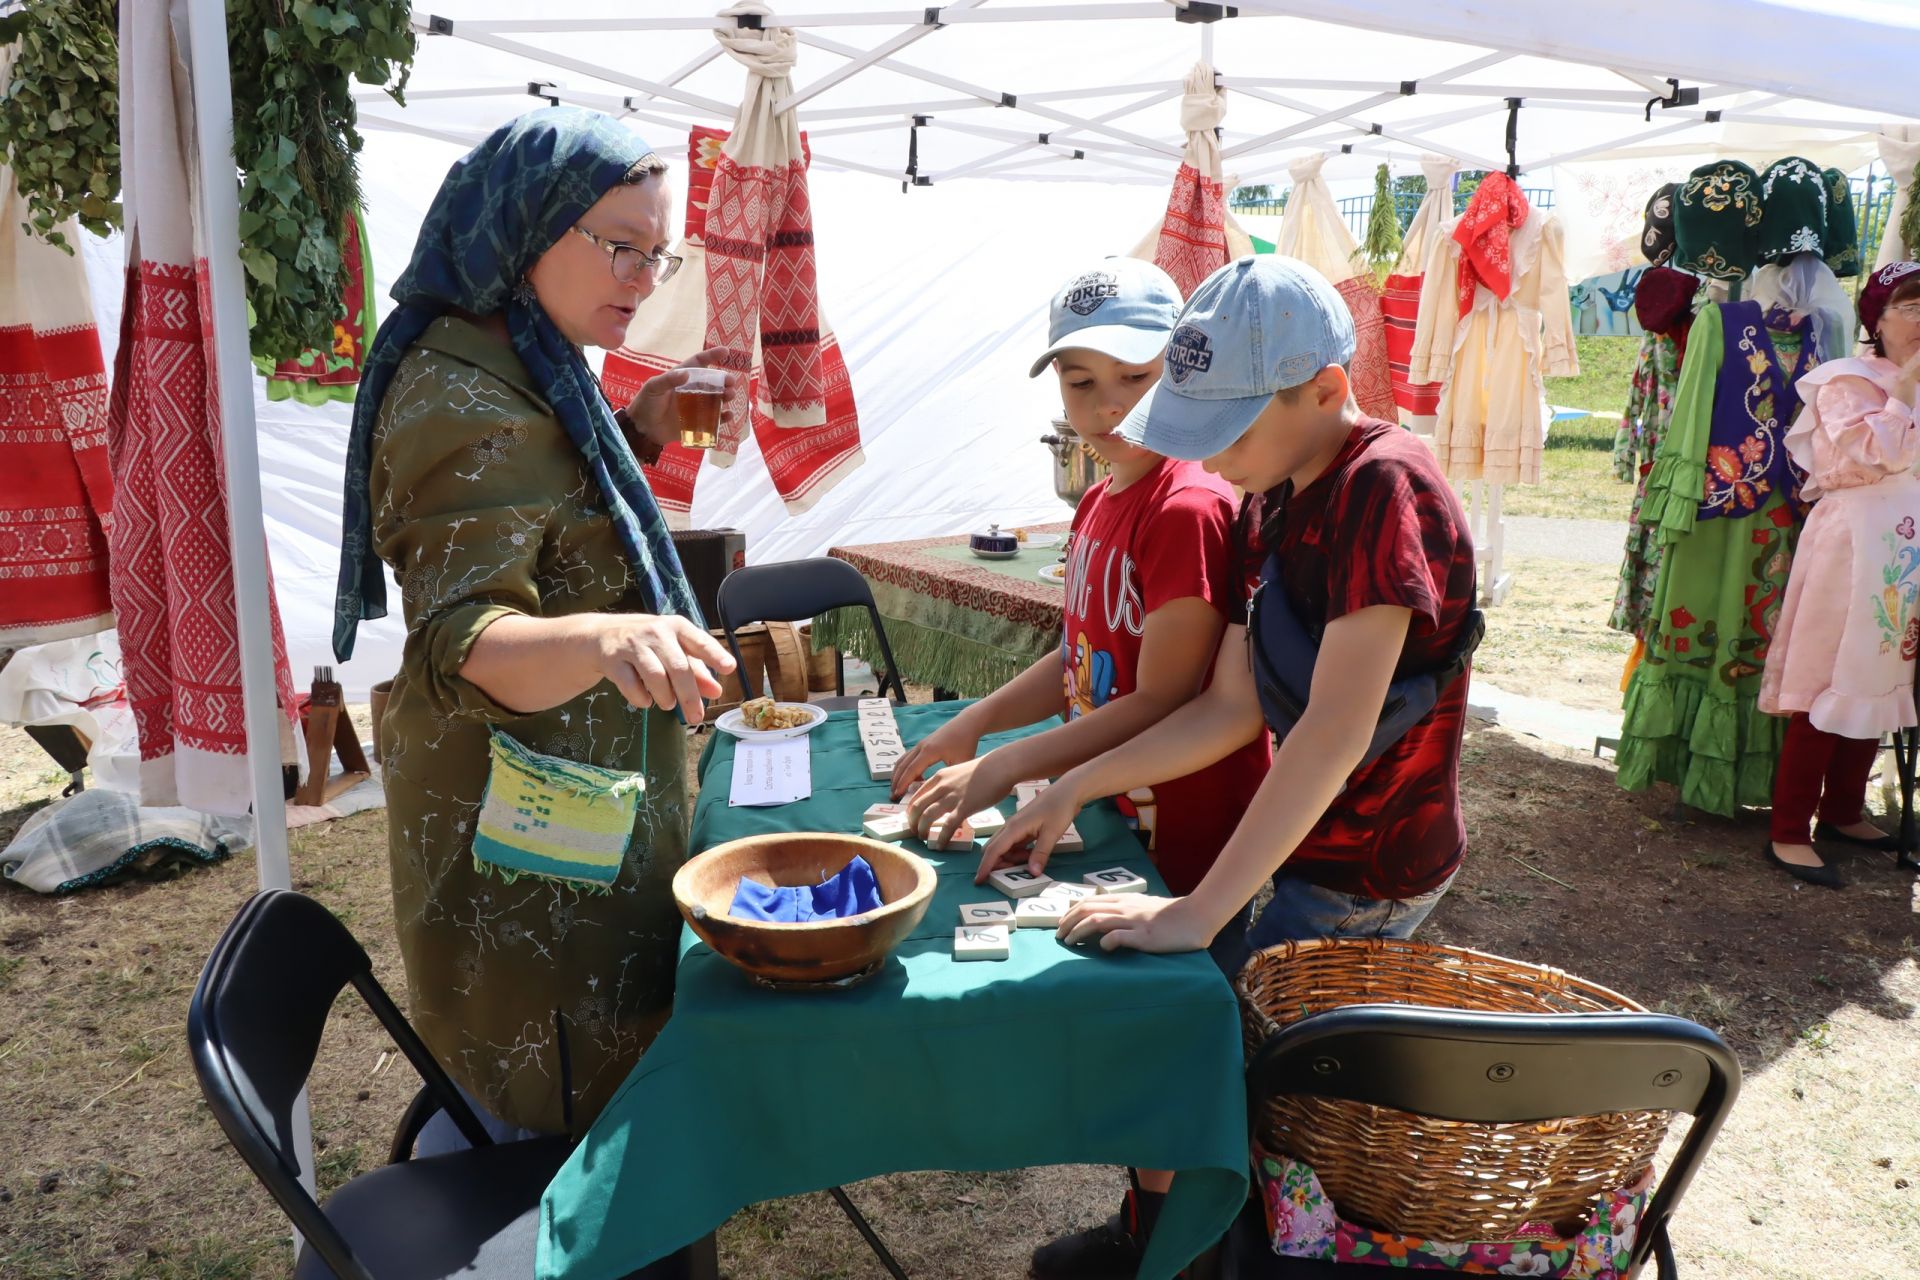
(502, 206)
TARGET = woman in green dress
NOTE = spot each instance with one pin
(543, 602)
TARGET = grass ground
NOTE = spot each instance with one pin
(1550, 639)
(1606, 368)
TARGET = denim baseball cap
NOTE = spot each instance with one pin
(1122, 308)
(1256, 326)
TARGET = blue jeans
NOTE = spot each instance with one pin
(1300, 910)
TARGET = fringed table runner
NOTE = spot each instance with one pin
(953, 620)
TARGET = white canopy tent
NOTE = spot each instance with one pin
(1048, 134)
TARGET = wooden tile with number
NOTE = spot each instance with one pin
(890, 827)
(1116, 880)
(1070, 841)
(982, 942)
(987, 913)
(1067, 891)
(1018, 882)
(1039, 912)
(987, 821)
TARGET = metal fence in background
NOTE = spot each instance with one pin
(1872, 199)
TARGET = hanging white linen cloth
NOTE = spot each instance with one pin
(1197, 236)
(171, 548)
(1899, 146)
(1313, 231)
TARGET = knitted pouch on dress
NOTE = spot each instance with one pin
(554, 818)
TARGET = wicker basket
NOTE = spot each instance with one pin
(1415, 1175)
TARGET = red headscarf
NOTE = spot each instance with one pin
(1497, 207)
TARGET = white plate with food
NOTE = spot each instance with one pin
(1037, 541)
(1056, 573)
(764, 720)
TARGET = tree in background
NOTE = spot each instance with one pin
(1257, 194)
(1409, 189)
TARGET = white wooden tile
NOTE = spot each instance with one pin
(986, 913)
(1018, 882)
(985, 942)
(891, 827)
(1067, 891)
(987, 821)
(1070, 841)
(1039, 912)
(1116, 880)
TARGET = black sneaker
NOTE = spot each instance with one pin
(1110, 1251)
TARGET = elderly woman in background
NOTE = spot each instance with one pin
(1841, 662)
(550, 631)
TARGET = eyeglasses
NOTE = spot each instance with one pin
(628, 260)
(1905, 310)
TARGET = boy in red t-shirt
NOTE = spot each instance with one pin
(1146, 599)
(1371, 551)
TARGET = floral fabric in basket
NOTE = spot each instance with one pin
(1303, 1223)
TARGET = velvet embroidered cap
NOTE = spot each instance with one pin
(1793, 210)
(1716, 221)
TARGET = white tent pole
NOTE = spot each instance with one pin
(992, 97)
(220, 229)
(683, 72)
(1646, 135)
(1438, 81)
(371, 120)
(881, 18)
(246, 523)
(532, 53)
(861, 62)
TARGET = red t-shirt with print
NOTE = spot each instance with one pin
(1165, 537)
(1381, 526)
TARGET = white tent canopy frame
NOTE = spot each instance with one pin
(1594, 80)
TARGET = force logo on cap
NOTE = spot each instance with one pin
(1188, 352)
(1084, 296)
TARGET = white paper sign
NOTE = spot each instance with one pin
(769, 773)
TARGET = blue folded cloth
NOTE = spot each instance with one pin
(850, 892)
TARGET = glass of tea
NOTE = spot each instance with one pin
(696, 407)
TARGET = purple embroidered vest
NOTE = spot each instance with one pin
(1753, 405)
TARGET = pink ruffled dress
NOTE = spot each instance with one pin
(1844, 649)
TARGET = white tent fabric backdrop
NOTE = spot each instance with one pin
(940, 300)
(938, 293)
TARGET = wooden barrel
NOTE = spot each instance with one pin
(755, 652)
(823, 666)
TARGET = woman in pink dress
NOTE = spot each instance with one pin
(1842, 659)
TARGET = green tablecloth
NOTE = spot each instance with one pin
(750, 1094)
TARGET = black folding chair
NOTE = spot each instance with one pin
(795, 589)
(1493, 1068)
(254, 1029)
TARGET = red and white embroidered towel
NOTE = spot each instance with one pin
(1193, 235)
(1400, 299)
(56, 491)
(171, 562)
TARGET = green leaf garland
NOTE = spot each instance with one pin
(1382, 244)
(296, 144)
(60, 115)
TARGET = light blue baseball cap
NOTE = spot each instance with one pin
(1256, 326)
(1123, 308)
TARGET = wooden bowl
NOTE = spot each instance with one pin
(817, 951)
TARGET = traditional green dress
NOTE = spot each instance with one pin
(1691, 713)
(484, 508)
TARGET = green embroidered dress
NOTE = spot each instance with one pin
(483, 508)
(1691, 713)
